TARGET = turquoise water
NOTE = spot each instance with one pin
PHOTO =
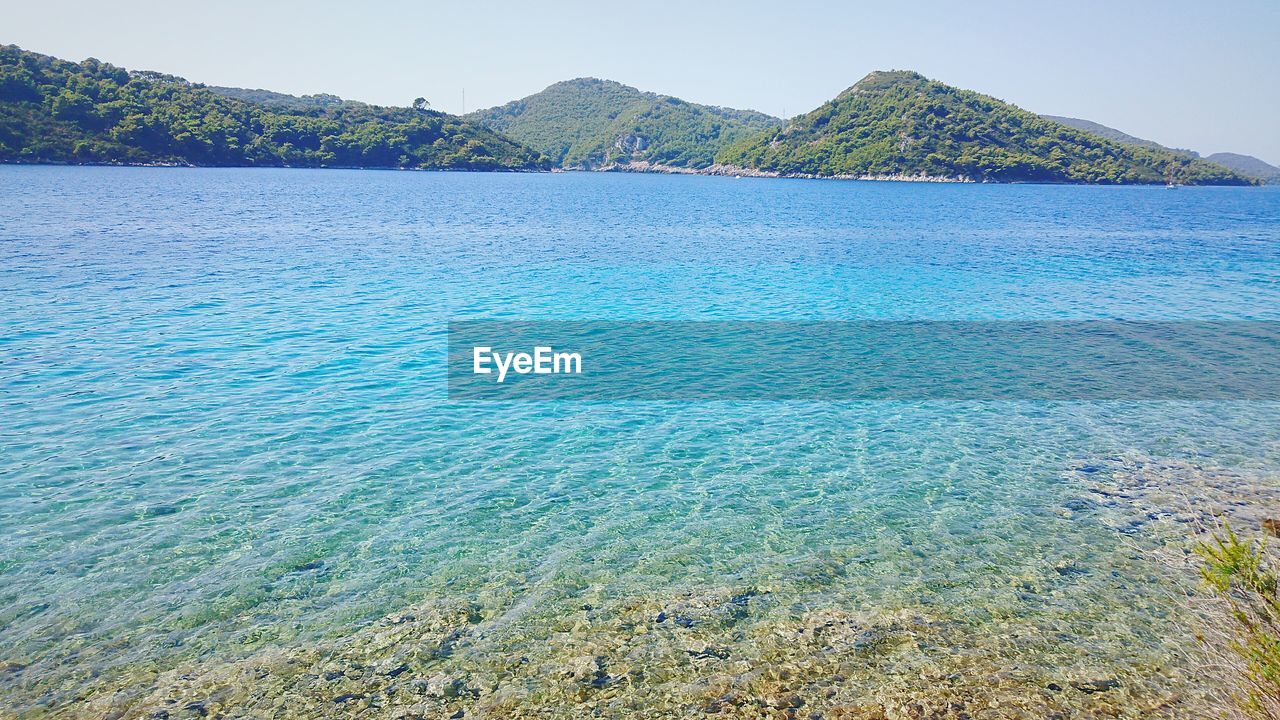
(231, 481)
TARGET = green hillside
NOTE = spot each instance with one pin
(591, 123)
(901, 123)
(1247, 165)
(1114, 135)
(91, 112)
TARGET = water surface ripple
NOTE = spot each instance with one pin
(231, 481)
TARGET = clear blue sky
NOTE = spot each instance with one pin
(1200, 75)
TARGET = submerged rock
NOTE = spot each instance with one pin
(1171, 499)
(442, 685)
(1080, 504)
(743, 653)
(590, 670)
(709, 653)
(1095, 686)
(717, 610)
(1070, 570)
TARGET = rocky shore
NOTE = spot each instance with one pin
(644, 166)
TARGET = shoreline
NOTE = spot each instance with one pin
(642, 167)
(721, 170)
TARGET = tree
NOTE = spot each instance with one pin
(420, 104)
(73, 106)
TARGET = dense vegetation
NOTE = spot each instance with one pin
(91, 112)
(890, 123)
(901, 123)
(592, 123)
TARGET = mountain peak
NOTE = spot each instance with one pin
(885, 79)
(898, 123)
(589, 122)
(890, 76)
(588, 83)
(881, 81)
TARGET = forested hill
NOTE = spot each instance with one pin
(91, 112)
(901, 123)
(888, 124)
(1247, 165)
(1113, 134)
(592, 123)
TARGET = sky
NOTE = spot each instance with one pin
(1198, 75)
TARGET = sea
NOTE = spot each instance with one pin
(233, 482)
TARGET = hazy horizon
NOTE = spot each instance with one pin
(1181, 74)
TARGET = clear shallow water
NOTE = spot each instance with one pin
(226, 441)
